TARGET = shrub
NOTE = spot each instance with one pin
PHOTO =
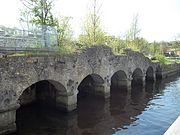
(161, 58)
(66, 49)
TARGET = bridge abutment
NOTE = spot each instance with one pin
(8, 120)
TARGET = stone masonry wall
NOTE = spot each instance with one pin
(65, 73)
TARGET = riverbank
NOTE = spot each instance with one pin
(164, 71)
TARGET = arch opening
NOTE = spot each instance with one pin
(119, 81)
(43, 93)
(38, 103)
(92, 84)
(137, 78)
(150, 74)
(90, 98)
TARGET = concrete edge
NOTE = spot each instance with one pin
(174, 129)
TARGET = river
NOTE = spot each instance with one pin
(144, 111)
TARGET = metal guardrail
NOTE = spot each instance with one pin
(8, 49)
(36, 38)
(14, 40)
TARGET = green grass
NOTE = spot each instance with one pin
(29, 53)
(173, 60)
(165, 60)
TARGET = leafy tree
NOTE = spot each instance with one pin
(134, 30)
(132, 36)
(155, 49)
(41, 14)
(116, 43)
(93, 33)
(142, 45)
(64, 31)
(163, 47)
(176, 46)
(41, 11)
(176, 43)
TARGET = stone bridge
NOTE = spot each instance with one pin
(60, 81)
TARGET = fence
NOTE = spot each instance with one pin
(40, 38)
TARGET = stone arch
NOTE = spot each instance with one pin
(47, 92)
(137, 77)
(92, 84)
(119, 80)
(44, 93)
(150, 74)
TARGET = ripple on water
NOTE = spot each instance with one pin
(159, 113)
(139, 113)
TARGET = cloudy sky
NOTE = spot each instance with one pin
(158, 19)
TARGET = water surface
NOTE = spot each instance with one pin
(144, 111)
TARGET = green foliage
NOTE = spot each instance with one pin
(40, 14)
(134, 30)
(25, 19)
(133, 41)
(176, 45)
(41, 11)
(64, 31)
(66, 49)
(173, 60)
(154, 49)
(88, 39)
(116, 44)
(93, 33)
(161, 58)
(138, 44)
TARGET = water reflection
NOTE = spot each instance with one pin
(124, 111)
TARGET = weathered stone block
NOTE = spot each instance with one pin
(7, 122)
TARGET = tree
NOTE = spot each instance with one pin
(132, 36)
(142, 45)
(64, 31)
(93, 33)
(116, 43)
(42, 11)
(155, 48)
(25, 18)
(41, 14)
(176, 43)
(134, 30)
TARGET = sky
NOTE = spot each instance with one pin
(159, 20)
